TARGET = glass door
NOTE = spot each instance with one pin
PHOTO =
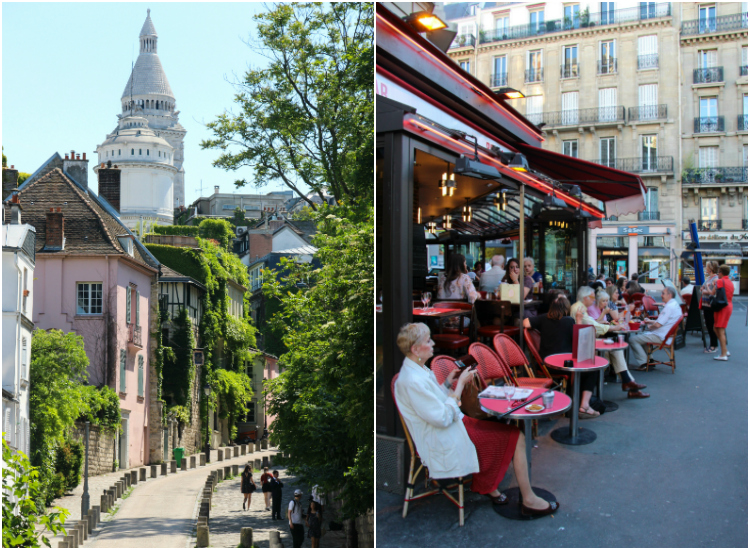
(570, 68)
(572, 19)
(707, 19)
(607, 152)
(709, 113)
(607, 13)
(648, 153)
(500, 74)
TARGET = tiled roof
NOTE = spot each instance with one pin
(149, 77)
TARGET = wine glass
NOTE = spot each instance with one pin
(509, 390)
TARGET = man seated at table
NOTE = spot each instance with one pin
(586, 298)
(658, 329)
(491, 278)
(530, 271)
(687, 287)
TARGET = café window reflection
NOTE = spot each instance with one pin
(653, 259)
(561, 258)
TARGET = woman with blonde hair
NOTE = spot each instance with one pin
(450, 444)
(708, 290)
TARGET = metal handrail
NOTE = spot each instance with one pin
(497, 80)
(649, 216)
(594, 115)
(741, 123)
(706, 124)
(606, 66)
(709, 225)
(716, 174)
(463, 40)
(708, 75)
(639, 165)
(647, 112)
(569, 70)
(534, 75)
(723, 23)
(650, 61)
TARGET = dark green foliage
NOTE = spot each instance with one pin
(307, 117)
(323, 400)
(102, 407)
(182, 260)
(69, 463)
(273, 336)
(179, 369)
(232, 391)
(22, 177)
(239, 217)
(185, 230)
(25, 524)
(219, 230)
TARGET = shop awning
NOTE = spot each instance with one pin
(621, 192)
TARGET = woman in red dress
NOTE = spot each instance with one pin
(721, 317)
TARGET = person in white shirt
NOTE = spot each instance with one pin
(687, 287)
(449, 443)
(295, 520)
(491, 278)
(658, 329)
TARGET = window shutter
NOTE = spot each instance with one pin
(28, 437)
(6, 426)
(24, 355)
(137, 308)
(570, 107)
(140, 376)
(127, 305)
(123, 355)
(607, 104)
(647, 45)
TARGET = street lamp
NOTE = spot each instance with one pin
(85, 497)
(207, 391)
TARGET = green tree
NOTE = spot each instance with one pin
(322, 400)
(232, 391)
(219, 230)
(307, 118)
(179, 369)
(24, 524)
(239, 217)
(22, 177)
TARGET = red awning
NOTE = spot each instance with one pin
(621, 192)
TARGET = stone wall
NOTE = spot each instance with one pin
(102, 448)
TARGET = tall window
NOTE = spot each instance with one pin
(570, 108)
(708, 58)
(26, 271)
(709, 208)
(570, 66)
(607, 11)
(709, 114)
(534, 108)
(465, 65)
(708, 158)
(707, 18)
(534, 66)
(570, 148)
(648, 10)
(89, 299)
(648, 52)
(607, 62)
(501, 26)
(648, 153)
(500, 71)
(647, 102)
(123, 358)
(140, 376)
(608, 104)
(536, 21)
(607, 155)
(743, 65)
(652, 199)
(24, 359)
(571, 19)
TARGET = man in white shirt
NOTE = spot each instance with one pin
(687, 287)
(491, 278)
(658, 329)
(295, 520)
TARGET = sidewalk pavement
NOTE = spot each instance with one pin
(668, 471)
(228, 517)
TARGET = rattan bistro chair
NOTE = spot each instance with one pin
(668, 348)
(532, 337)
(443, 487)
(512, 356)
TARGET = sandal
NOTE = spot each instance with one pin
(585, 414)
(499, 499)
(709, 350)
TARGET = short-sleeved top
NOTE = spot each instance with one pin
(557, 336)
(537, 277)
(295, 512)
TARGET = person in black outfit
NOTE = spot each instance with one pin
(276, 486)
(247, 486)
(556, 328)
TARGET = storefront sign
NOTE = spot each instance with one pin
(733, 261)
(634, 230)
(716, 236)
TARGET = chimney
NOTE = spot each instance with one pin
(77, 168)
(109, 185)
(55, 229)
(216, 189)
(15, 209)
(10, 181)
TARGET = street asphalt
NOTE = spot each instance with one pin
(668, 471)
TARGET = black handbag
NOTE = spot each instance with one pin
(720, 299)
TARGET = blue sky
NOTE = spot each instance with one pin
(65, 66)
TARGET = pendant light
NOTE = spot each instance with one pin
(447, 220)
(432, 227)
(419, 215)
(448, 182)
(466, 213)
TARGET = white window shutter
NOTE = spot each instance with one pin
(647, 45)
(6, 427)
(570, 107)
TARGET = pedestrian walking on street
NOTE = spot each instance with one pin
(708, 291)
(721, 317)
(247, 486)
(276, 486)
(313, 524)
(295, 519)
(265, 483)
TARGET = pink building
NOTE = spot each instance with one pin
(93, 277)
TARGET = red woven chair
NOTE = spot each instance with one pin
(454, 339)
(490, 367)
(532, 339)
(414, 471)
(486, 312)
(650, 308)
(627, 297)
(442, 366)
(668, 348)
(511, 354)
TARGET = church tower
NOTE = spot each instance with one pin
(147, 144)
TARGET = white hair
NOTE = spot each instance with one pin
(498, 260)
(583, 292)
(528, 260)
(602, 295)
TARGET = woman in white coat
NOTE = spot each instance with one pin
(453, 445)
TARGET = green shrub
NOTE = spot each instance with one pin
(69, 462)
(182, 260)
(103, 407)
(184, 230)
(220, 230)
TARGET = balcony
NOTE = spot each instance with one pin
(709, 225)
(744, 223)
(708, 124)
(648, 216)
(497, 80)
(647, 112)
(708, 75)
(715, 174)
(569, 70)
(650, 61)
(580, 20)
(534, 75)
(742, 123)
(639, 165)
(575, 117)
(724, 23)
(606, 66)
(464, 40)
(743, 70)
(135, 338)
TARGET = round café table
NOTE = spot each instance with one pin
(498, 407)
(627, 332)
(574, 435)
(602, 347)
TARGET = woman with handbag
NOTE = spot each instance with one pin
(453, 445)
(247, 486)
(722, 309)
(265, 484)
(707, 293)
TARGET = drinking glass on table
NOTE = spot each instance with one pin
(509, 390)
(426, 297)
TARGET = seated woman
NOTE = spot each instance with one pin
(453, 445)
(455, 283)
(556, 329)
(513, 276)
(601, 310)
(614, 300)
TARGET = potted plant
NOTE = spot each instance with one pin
(567, 23)
(718, 177)
(550, 26)
(585, 17)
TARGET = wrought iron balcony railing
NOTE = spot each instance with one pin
(709, 225)
(744, 223)
(569, 70)
(726, 174)
(534, 75)
(741, 123)
(135, 337)
(702, 125)
(463, 40)
(500, 79)
(743, 70)
(708, 75)
(595, 115)
(606, 66)
(648, 216)
(650, 61)
(639, 165)
(647, 112)
(724, 23)
(581, 20)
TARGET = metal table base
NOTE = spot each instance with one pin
(610, 406)
(574, 435)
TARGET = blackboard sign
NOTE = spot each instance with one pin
(679, 338)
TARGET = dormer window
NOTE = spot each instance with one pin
(127, 244)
